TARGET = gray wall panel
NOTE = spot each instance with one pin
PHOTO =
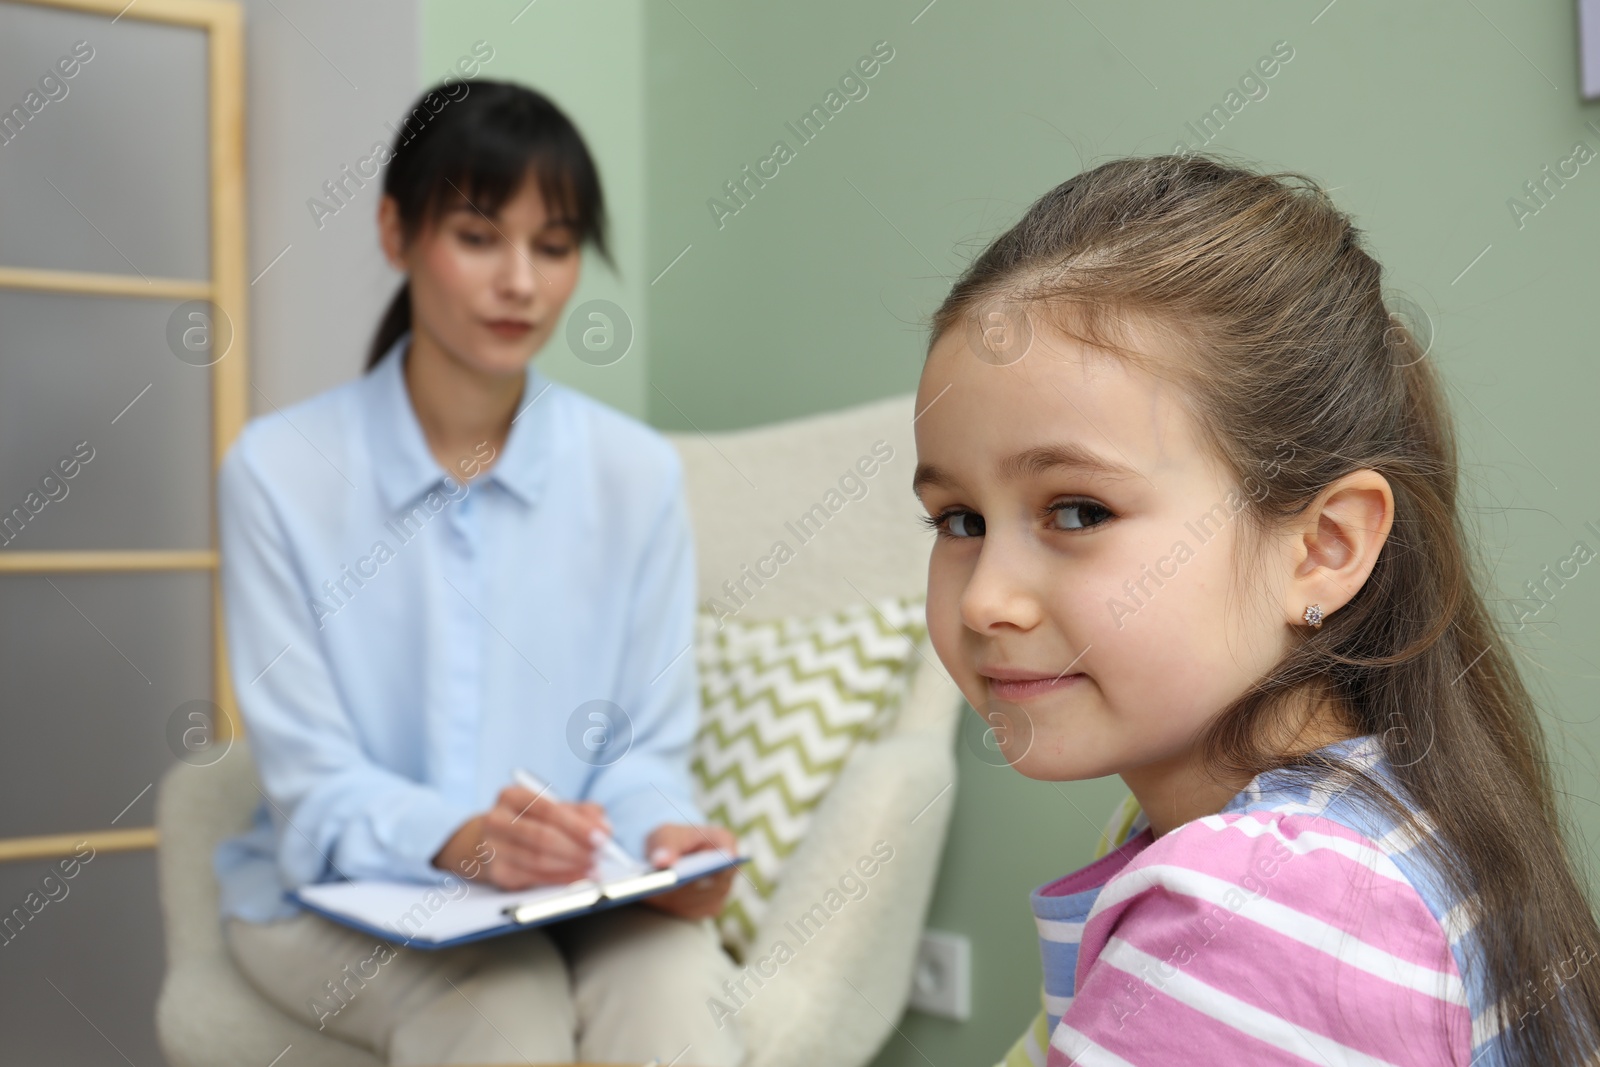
(331, 80)
(100, 946)
(69, 367)
(84, 731)
(112, 175)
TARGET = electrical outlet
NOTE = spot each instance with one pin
(941, 984)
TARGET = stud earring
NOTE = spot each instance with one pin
(1313, 615)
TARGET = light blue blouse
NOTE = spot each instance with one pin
(401, 639)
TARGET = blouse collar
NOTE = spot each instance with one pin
(404, 466)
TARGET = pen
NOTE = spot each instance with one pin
(529, 780)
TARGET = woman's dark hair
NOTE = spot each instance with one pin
(480, 142)
(1277, 315)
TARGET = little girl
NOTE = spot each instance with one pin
(1195, 494)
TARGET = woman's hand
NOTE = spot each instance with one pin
(704, 896)
(525, 840)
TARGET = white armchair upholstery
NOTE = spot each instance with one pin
(832, 1004)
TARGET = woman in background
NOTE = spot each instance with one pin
(447, 569)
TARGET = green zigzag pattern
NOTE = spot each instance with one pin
(716, 732)
(912, 633)
(759, 823)
(820, 648)
(771, 693)
(864, 660)
(775, 780)
(735, 920)
(712, 730)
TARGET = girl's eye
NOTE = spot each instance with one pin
(1080, 507)
(960, 524)
(557, 251)
(955, 523)
(474, 238)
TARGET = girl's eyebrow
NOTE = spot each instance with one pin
(1031, 462)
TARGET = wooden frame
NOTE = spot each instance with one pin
(223, 23)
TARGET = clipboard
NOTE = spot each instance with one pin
(428, 916)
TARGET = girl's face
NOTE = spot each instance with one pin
(489, 291)
(1085, 541)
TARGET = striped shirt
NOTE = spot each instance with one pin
(1296, 925)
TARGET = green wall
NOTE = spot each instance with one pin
(1424, 119)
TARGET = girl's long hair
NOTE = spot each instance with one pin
(1278, 317)
(482, 144)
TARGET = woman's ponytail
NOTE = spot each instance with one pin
(395, 322)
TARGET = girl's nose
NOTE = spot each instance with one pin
(998, 594)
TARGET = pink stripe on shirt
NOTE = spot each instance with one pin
(1263, 937)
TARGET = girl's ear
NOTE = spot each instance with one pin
(1337, 541)
(390, 233)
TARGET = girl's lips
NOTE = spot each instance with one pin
(1017, 691)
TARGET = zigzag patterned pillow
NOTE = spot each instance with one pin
(784, 702)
